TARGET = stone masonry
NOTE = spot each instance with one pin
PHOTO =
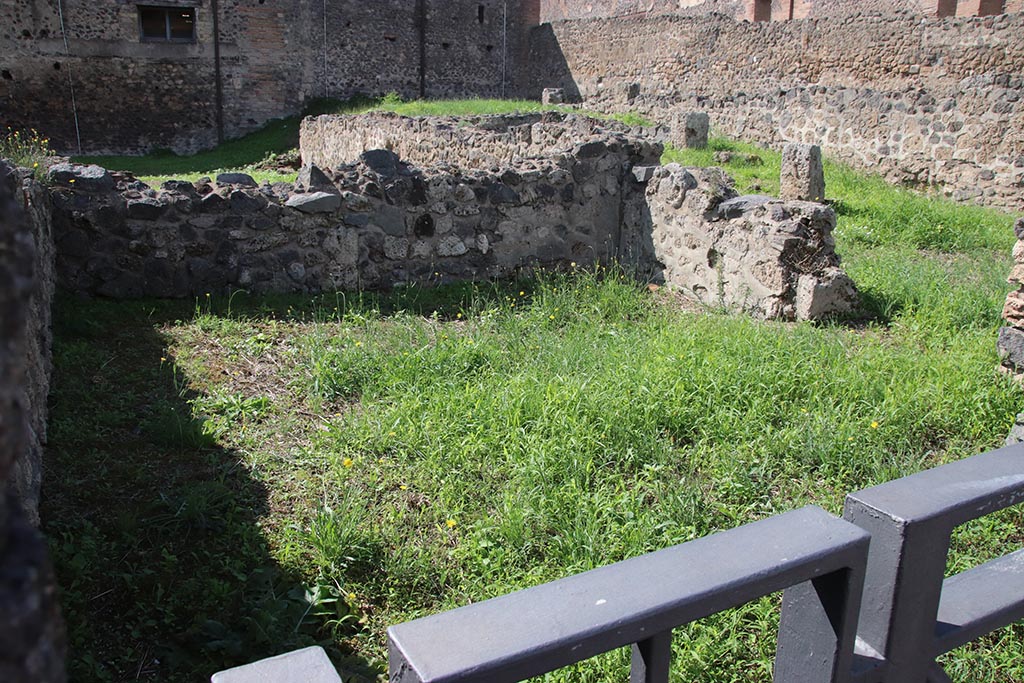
(925, 102)
(589, 195)
(803, 176)
(31, 632)
(1011, 337)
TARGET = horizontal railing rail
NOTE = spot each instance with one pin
(639, 601)
(905, 610)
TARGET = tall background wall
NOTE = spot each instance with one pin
(275, 55)
(924, 101)
(557, 10)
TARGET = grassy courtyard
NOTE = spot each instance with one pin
(235, 477)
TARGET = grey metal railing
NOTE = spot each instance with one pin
(849, 613)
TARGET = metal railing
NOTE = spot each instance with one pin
(866, 599)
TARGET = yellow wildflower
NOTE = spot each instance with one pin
(347, 462)
(874, 425)
(450, 523)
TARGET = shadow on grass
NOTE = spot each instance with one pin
(154, 528)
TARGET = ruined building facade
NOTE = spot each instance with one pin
(127, 76)
(123, 76)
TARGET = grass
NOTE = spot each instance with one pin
(258, 153)
(299, 470)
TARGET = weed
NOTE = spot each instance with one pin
(26, 149)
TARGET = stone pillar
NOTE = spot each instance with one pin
(803, 176)
(31, 632)
(691, 130)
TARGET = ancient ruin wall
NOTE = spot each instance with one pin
(780, 10)
(275, 55)
(468, 142)
(30, 625)
(921, 101)
(378, 221)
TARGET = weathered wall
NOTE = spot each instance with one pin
(773, 258)
(469, 142)
(921, 101)
(373, 221)
(368, 229)
(27, 473)
(557, 10)
(133, 96)
(31, 633)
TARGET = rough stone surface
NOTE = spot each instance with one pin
(803, 175)
(588, 194)
(85, 178)
(896, 94)
(312, 178)
(31, 631)
(315, 202)
(243, 179)
(692, 129)
(134, 96)
(470, 143)
(553, 96)
(1011, 348)
(771, 258)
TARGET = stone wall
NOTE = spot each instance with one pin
(772, 258)
(467, 142)
(38, 338)
(274, 55)
(376, 221)
(780, 10)
(31, 633)
(925, 102)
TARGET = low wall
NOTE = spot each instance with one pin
(380, 221)
(769, 257)
(468, 142)
(922, 101)
(30, 626)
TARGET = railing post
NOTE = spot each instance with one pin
(906, 565)
(651, 659)
(818, 627)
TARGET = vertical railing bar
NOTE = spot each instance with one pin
(652, 658)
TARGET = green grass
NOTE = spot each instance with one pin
(299, 470)
(256, 152)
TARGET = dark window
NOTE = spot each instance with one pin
(945, 8)
(167, 24)
(480, 13)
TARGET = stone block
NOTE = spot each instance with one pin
(312, 178)
(823, 296)
(1013, 309)
(694, 128)
(84, 178)
(803, 176)
(1010, 346)
(309, 665)
(553, 96)
(243, 179)
(315, 202)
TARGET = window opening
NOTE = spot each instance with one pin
(480, 13)
(945, 8)
(990, 7)
(167, 24)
